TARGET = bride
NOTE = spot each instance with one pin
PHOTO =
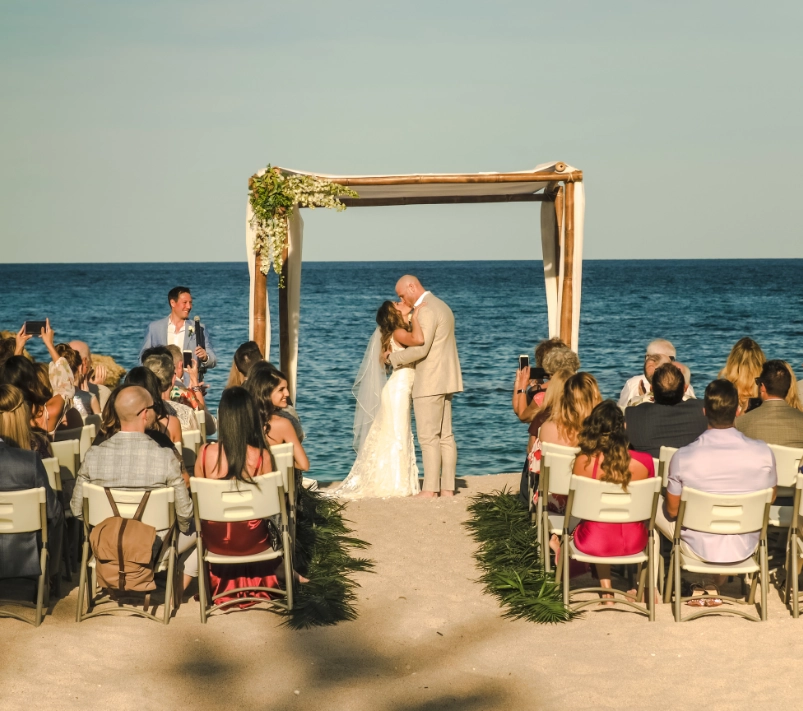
(383, 436)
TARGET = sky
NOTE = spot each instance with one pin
(129, 129)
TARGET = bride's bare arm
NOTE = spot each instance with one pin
(407, 338)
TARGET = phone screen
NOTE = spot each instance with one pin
(187, 359)
(524, 362)
(34, 328)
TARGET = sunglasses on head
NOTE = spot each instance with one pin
(658, 356)
(150, 407)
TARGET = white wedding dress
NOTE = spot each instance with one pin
(385, 464)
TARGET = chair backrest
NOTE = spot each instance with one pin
(67, 452)
(191, 439)
(232, 500)
(53, 470)
(603, 501)
(84, 435)
(156, 514)
(664, 457)
(787, 464)
(285, 463)
(560, 460)
(799, 492)
(21, 511)
(178, 446)
(200, 415)
(724, 513)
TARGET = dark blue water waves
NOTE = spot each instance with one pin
(500, 308)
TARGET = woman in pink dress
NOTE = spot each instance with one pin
(605, 454)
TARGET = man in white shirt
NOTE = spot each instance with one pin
(659, 351)
(178, 330)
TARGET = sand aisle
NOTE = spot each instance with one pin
(427, 639)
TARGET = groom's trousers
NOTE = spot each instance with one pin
(433, 423)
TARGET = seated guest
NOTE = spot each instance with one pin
(669, 421)
(91, 378)
(83, 400)
(580, 397)
(269, 389)
(132, 460)
(742, 368)
(606, 454)
(164, 422)
(240, 453)
(528, 394)
(775, 422)
(192, 396)
(793, 397)
(8, 348)
(163, 368)
(246, 355)
(720, 461)
(21, 468)
(637, 389)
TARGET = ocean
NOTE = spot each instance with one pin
(702, 306)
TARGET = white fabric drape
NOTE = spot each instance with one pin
(577, 272)
(293, 286)
(251, 257)
(549, 251)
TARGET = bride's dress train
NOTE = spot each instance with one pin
(385, 464)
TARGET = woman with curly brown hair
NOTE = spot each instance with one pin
(605, 455)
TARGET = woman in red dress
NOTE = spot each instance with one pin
(240, 453)
(605, 455)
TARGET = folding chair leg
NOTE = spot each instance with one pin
(670, 579)
(651, 583)
(203, 580)
(640, 572)
(793, 572)
(82, 583)
(764, 577)
(564, 553)
(676, 583)
(546, 537)
(753, 583)
(40, 592)
(171, 580)
(290, 577)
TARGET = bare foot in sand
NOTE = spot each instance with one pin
(446, 493)
(554, 544)
(633, 593)
(426, 495)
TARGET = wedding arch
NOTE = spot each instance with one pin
(557, 186)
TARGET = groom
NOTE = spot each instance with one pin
(437, 378)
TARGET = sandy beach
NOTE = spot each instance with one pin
(427, 639)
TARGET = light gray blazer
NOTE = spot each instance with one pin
(437, 366)
(157, 336)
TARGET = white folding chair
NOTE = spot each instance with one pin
(94, 419)
(85, 435)
(160, 513)
(53, 470)
(721, 514)
(191, 440)
(787, 465)
(200, 415)
(283, 455)
(794, 550)
(604, 502)
(228, 501)
(68, 454)
(26, 512)
(556, 473)
(664, 457)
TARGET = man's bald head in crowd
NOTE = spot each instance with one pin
(134, 408)
(409, 289)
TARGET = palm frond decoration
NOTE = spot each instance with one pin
(508, 558)
(323, 554)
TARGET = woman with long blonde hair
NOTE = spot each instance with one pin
(580, 396)
(15, 415)
(793, 396)
(743, 366)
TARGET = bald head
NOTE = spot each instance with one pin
(131, 406)
(409, 289)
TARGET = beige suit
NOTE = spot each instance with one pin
(437, 378)
(774, 422)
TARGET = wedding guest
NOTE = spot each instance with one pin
(794, 398)
(71, 417)
(246, 355)
(83, 400)
(20, 469)
(163, 368)
(606, 454)
(528, 394)
(164, 421)
(179, 330)
(669, 421)
(580, 396)
(775, 422)
(192, 396)
(8, 348)
(92, 379)
(269, 389)
(240, 453)
(742, 368)
(720, 461)
(132, 460)
(15, 423)
(637, 389)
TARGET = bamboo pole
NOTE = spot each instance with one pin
(543, 177)
(260, 304)
(568, 267)
(284, 321)
(445, 200)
